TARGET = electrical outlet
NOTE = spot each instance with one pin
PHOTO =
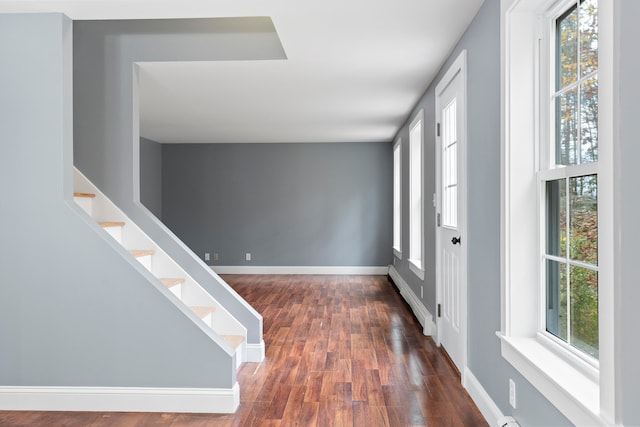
(216, 257)
(247, 256)
(512, 393)
(207, 256)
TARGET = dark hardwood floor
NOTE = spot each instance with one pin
(340, 351)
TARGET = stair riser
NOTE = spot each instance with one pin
(208, 320)
(176, 290)
(86, 203)
(239, 357)
(115, 232)
(146, 261)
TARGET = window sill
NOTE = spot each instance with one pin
(572, 391)
(414, 266)
(397, 253)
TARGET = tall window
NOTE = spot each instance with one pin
(569, 178)
(558, 210)
(397, 198)
(416, 235)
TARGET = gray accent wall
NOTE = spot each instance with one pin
(75, 308)
(106, 119)
(286, 204)
(151, 176)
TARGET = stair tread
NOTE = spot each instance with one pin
(137, 253)
(202, 311)
(171, 282)
(233, 340)
(90, 195)
(111, 223)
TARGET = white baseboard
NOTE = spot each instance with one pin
(481, 398)
(419, 310)
(255, 352)
(121, 399)
(346, 270)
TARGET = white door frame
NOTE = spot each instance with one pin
(459, 66)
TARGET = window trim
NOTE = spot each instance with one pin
(397, 204)
(583, 399)
(416, 264)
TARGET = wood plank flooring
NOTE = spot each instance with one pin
(341, 351)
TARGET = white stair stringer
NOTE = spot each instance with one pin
(132, 238)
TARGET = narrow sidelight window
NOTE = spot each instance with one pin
(397, 198)
(416, 235)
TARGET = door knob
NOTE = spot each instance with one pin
(456, 240)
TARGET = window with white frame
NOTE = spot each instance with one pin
(569, 180)
(416, 192)
(397, 198)
(557, 324)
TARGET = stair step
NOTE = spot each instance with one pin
(169, 283)
(233, 340)
(174, 285)
(142, 255)
(202, 311)
(139, 253)
(89, 195)
(114, 228)
(85, 201)
(106, 224)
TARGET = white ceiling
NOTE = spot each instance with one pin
(355, 68)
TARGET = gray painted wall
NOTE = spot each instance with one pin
(482, 42)
(483, 48)
(628, 227)
(75, 308)
(286, 204)
(106, 134)
(151, 176)
(426, 103)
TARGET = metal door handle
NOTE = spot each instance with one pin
(456, 240)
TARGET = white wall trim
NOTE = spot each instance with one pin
(121, 399)
(251, 269)
(481, 398)
(419, 310)
(572, 391)
(255, 352)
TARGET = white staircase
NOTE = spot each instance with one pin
(186, 290)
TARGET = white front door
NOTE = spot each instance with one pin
(451, 243)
